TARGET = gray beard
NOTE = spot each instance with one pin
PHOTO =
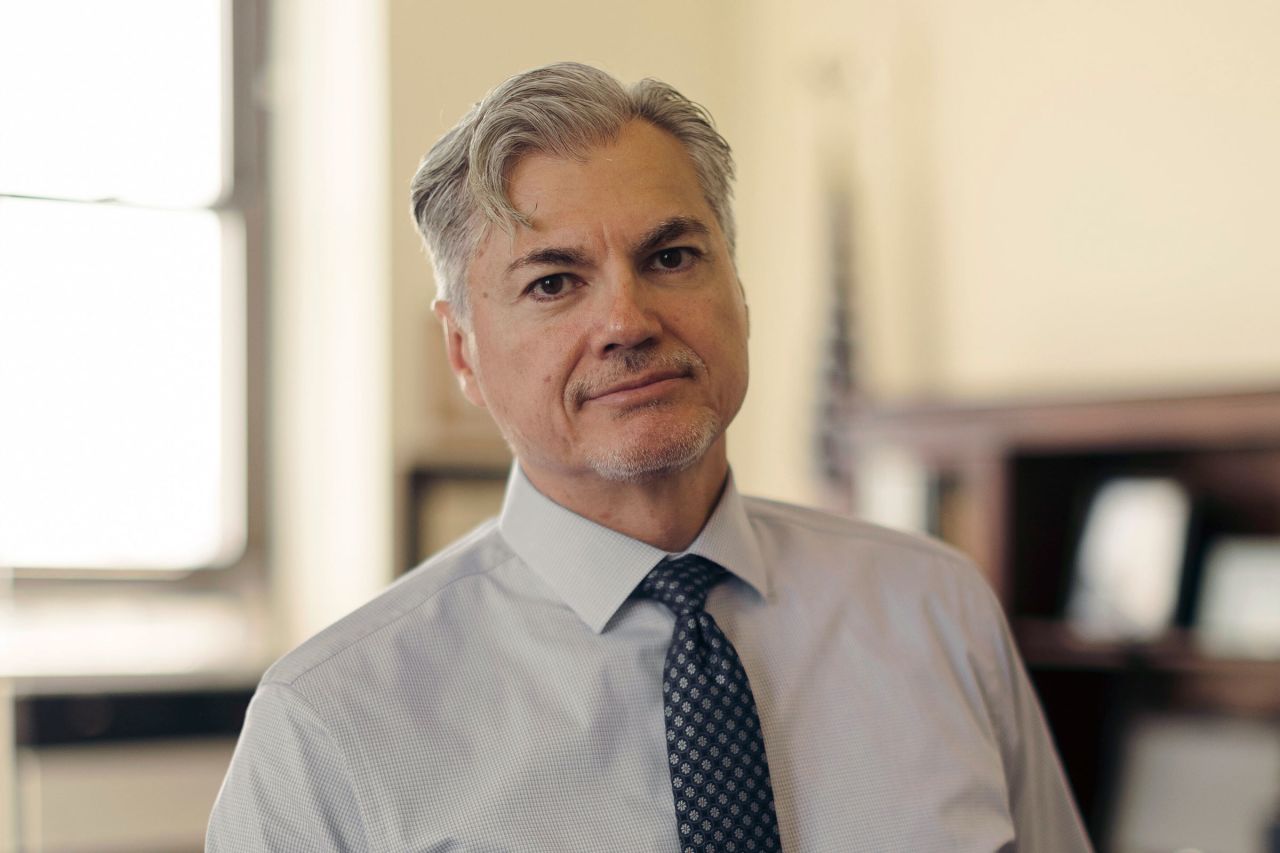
(679, 452)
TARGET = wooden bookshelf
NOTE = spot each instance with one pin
(1010, 486)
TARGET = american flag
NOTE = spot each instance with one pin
(837, 381)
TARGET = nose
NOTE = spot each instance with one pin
(628, 318)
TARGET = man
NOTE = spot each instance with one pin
(634, 656)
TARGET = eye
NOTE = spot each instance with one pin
(548, 287)
(674, 259)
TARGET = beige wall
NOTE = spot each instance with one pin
(331, 478)
(1049, 197)
(1053, 197)
(1107, 193)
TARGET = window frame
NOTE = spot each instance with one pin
(243, 212)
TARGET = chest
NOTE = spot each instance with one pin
(564, 749)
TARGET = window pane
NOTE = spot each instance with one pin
(121, 436)
(112, 100)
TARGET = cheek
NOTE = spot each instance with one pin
(721, 329)
(725, 339)
(532, 381)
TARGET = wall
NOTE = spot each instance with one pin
(1107, 195)
(330, 448)
(1049, 198)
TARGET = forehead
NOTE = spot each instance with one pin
(643, 176)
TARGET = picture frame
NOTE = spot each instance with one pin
(1239, 609)
(1129, 559)
(445, 502)
(1196, 782)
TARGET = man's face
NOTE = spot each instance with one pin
(608, 340)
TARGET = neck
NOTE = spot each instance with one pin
(666, 512)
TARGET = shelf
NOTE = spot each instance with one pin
(1171, 671)
(1050, 643)
(1012, 484)
(1240, 419)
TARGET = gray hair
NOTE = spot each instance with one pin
(561, 110)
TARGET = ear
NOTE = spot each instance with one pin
(458, 347)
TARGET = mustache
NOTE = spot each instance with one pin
(628, 363)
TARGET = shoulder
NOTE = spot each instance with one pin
(380, 622)
(807, 525)
(865, 560)
(905, 589)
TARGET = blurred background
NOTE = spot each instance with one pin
(1013, 276)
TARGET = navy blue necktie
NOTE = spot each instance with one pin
(719, 773)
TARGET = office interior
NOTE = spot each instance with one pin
(1013, 281)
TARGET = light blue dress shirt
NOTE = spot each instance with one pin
(507, 696)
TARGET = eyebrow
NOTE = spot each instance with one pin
(550, 256)
(565, 256)
(666, 231)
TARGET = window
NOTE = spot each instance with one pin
(126, 181)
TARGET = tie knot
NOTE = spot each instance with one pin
(682, 583)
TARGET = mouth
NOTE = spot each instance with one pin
(636, 388)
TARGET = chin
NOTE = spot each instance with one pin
(658, 452)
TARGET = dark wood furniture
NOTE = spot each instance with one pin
(1010, 485)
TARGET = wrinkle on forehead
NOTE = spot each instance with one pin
(668, 230)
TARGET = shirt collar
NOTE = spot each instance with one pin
(594, 569)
